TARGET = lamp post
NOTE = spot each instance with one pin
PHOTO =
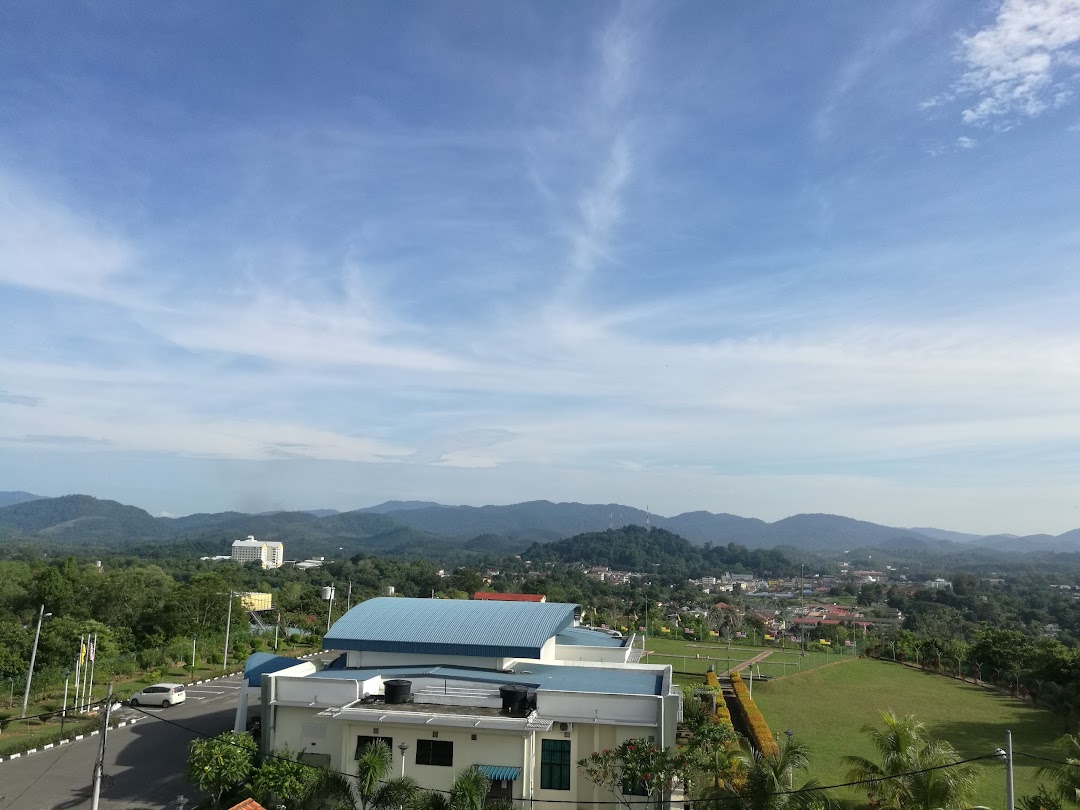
(63, 711)
(789, 734)
(33, 656)
(403, 748)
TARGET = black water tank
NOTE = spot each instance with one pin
(515, 700)
(397, 691)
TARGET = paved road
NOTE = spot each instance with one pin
(146, 760)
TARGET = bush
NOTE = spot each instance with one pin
(757, 729)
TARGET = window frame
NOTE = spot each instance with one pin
(367, 739)
(433, 752)
(556, 761)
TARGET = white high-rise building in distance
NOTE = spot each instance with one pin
(269, 554)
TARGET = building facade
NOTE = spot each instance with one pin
(518, 689)
(268, 554)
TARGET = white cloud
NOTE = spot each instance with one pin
(1021, 64)
(45, 247)
(964, 142)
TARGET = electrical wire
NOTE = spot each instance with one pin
(821, 788)
(14, 801)
(1073, 763)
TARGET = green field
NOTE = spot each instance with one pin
(696, 656)
(827, 707)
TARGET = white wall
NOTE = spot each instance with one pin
(381, 659)
(571, 653)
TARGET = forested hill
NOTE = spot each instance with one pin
(635, 548)
(84, 525)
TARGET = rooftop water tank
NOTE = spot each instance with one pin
(515, 700)
(397, 690)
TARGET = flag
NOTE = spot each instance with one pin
(847, 643)
(824, 642)
(82, 652)
(665, 629)
(770, 637)
(739, 634)
(91, 652)
(713, 633)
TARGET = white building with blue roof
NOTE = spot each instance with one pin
(516, 688)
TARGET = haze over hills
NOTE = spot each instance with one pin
(419, 527)
(12, 498)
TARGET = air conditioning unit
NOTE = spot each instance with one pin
(566, 726)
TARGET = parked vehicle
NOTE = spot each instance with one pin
(160, 694)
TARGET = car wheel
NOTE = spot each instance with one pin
(134, 701)
(164, 704)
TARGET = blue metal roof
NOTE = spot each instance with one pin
(557, 677)
(450, 627)
(497, 772)
(260, 663)
(584, 637)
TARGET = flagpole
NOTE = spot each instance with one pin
(78, 674)
(86, 675)
(93, 657)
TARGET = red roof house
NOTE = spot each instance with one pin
(491, 596)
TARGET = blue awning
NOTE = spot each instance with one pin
(499, 773)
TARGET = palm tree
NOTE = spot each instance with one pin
(914, 773)
(468, 792)
(767, 783)
(374, 790)
(1065, 779)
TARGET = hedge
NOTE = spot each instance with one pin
(760, 736)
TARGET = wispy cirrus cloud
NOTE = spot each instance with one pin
(24, 400)
(44, 247)
(1023, 64)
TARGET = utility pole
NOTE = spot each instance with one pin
(99, 766)
(33, 657)
(1009, 795)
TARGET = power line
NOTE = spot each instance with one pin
(14, 801)
(872, 780)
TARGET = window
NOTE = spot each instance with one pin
(631, 788)
(434, 752)
(363, 741)
(554, 764)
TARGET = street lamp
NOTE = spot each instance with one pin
(33, 656)
(63, 712)
(789, 734)
(403, 748)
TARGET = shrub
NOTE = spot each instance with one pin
(756, 727)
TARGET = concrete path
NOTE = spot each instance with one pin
(750, 662)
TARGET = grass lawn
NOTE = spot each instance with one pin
(827, 707)
(695, 657)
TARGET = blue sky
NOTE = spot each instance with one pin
(760, 259)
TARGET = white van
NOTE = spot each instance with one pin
(160, 694)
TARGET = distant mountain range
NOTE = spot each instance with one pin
(428, 528)
(12, 498)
